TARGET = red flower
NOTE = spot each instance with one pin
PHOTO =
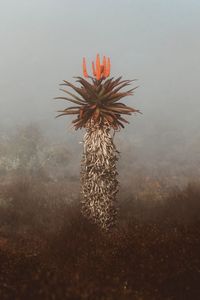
(101, 71)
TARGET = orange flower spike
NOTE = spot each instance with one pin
(104, 66)
(108, 67)
(98, 67)
(93, 69)
(84, 68)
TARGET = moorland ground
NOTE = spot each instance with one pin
(49, 251)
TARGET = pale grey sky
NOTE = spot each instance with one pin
(42, 42)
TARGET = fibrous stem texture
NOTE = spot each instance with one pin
(99, 184)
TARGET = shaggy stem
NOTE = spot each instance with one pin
(99, 184)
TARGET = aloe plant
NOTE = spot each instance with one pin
(99, 112)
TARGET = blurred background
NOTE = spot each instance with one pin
(48, 250)
(43, 42)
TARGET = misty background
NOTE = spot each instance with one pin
(157, 42)
(48, 249)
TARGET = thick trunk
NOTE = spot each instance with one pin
(99, 184)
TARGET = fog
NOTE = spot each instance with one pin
(157, 42)
(48, 249)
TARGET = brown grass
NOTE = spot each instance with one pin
(49, 251)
